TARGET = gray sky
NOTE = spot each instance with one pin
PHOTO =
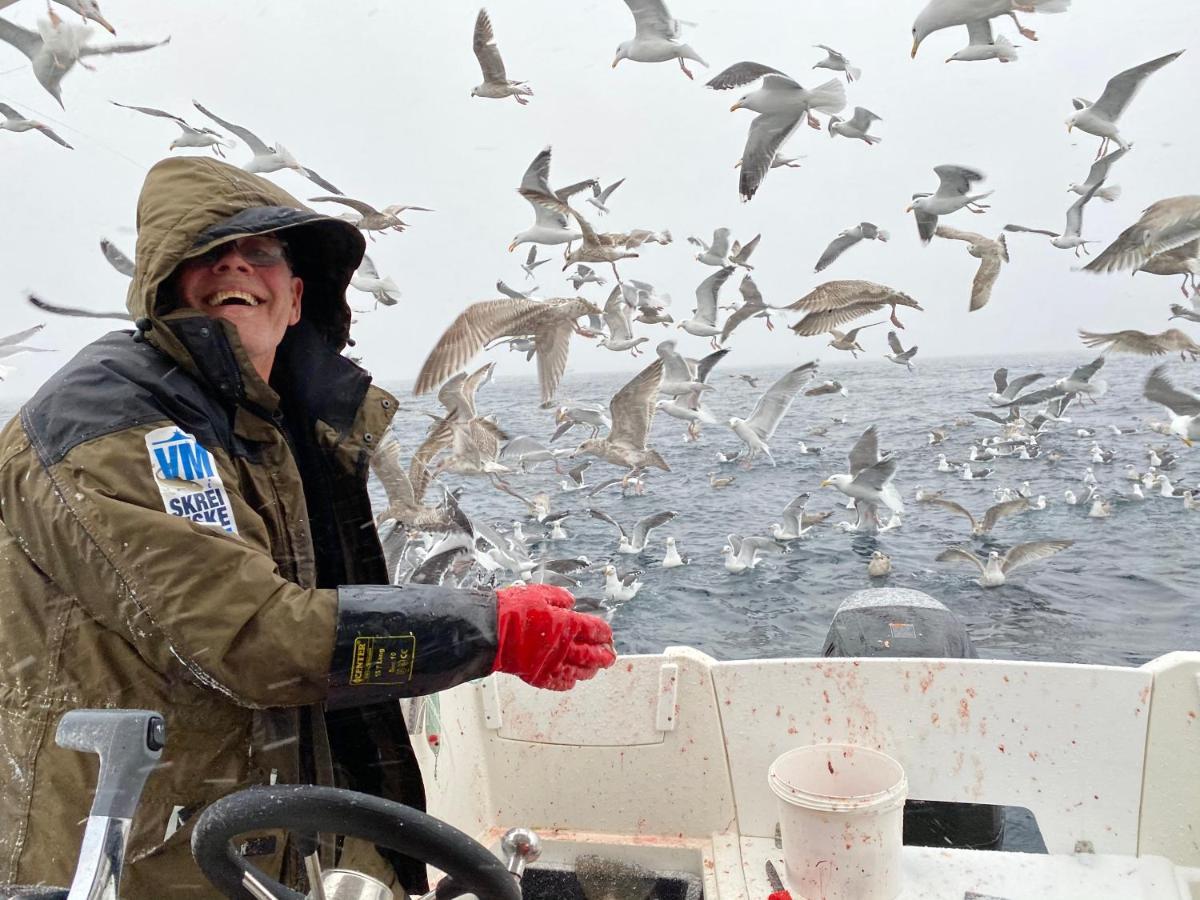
(376, 97)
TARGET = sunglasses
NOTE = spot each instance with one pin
(258, 250)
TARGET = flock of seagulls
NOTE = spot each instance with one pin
(430, 534)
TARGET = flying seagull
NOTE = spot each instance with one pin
(856, 126)
(869, 481)
(57, 45)
(656, 38)
(190, 135)
(267, 159)
(991, 255)
(15, 122)
(496, 83)
(838, 63)
(834, 303)
(993, 572)
(549, 226)
(75, 311)
(1071, 236)
(1100, 118)
(1184, 407)
(899, 355)
(757, 429)
(1098, 175)
(600, 197)
(631, 410)
(550, 323)
(1163, 226)
(781, 104)
(954, 183)
(847, 239)
(369, 218)
(939, 14)
(1130, 341)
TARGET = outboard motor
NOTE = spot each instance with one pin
(907, 623)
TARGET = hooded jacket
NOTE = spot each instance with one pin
(176, 534)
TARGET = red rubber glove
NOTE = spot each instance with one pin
(545, 642)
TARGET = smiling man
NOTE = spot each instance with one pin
(249, 283)
(185, 527)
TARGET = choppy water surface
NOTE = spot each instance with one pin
(1124, 593)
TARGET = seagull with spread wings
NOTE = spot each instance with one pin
(496, 83)
(745, 553)
(594, 247)
(1130, 341)
(899, 355)
(15, 122)
(1071, 236)
(265, 158)
(687, 387)
(753, 306)
(869, 481)
(952, 194)
(838, 63)
(619, 324)
(1163, 226)
(856, 126)
(549, 226)
(1100, 118)
(847, 239)
(835, 303)
(1098, 175)
(366, 279)
(983, 526)
(550, 323)
(782, 104)
(703, 322)
(849, 340)
(634, 541)
(631, 410)
(993, 572)
(757, 429)
(369, 218)
(656, 38)
(991, 255)
(600, 197)
(10, 345)
(1008, 390)
(57, 45)
(532, 261)
(1184, 407)
(190, 135)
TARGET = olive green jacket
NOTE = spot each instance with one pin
(178, 535)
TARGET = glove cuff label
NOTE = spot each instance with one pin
(382, 659)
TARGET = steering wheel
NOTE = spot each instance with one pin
(312, 808)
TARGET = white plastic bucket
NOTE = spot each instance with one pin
(841, 815)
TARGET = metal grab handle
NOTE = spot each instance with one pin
(129, 743)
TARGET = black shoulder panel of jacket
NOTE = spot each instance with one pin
(115, 383)
(403, 641)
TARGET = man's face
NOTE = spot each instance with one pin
(249, 283)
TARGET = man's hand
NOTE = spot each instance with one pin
(545, 642)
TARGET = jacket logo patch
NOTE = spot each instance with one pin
(188, 480)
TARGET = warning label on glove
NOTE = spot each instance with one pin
(383, 659)
(188, 480)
